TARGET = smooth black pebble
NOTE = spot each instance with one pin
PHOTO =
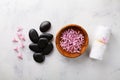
(42, 43)
(47, 49)
(35, 48)
(45, 26)
(38, 57)
(33, 35)
(46, 35)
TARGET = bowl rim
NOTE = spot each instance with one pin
(65, 53)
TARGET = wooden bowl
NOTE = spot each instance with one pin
(83, 47)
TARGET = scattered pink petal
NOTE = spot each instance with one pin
(16, 49)
(19, 29)
(23, 38)
(19, 35)
(15, 40)
(20, 56)
(20, 38)
(22, 45)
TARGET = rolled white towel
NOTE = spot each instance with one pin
(99, 45)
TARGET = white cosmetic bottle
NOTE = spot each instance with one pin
(99, 45)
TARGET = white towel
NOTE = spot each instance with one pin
(99, 45)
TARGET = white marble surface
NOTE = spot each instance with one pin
(30, 13)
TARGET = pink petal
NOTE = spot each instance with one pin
(20, 56)
(22, 45)
(15, 40)
(19, 29)
(23, 38)
(16, 49)
(19, 35)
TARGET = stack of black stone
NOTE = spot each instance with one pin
(42, 44)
